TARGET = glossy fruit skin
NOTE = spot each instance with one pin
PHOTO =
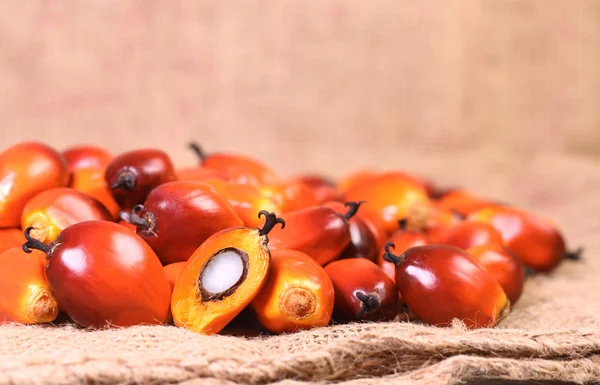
(24, 293)
(10, 238)
(187, 213)
(294, 275)
(238, 168)
(532, 239)
(439, 283)
(198, 173)
(403, 240)
(208, 317)
(356, 179)
(324, 190)
(150, 168)
(290, 196)
(27, 169)
(91, 182)
(101, 273)
(351, 276)
(172, 271)
(84, 157)
(320, 232)
(363, 242)
(245, 200)
(498, 262)
(465, 234)
(461, 201)
(390, 196)
(53, 210)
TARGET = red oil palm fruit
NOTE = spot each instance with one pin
(363, 292)
(403, 239)
(440, 283)
(236, 168)
(465, 234)
(133, 175)
(498, 262)
(324, 190)
(537, 243)
(320, 232)
(178, 216)
(461, 201)
(102, 274)
(363, 241)
(27, 169)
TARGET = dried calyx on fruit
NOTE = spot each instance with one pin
(223, 276)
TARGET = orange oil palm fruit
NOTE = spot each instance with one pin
(172, 271)
(298, 294)
(245, 200)
(356, 179)
(25, 295)
(53, 210)
(534, 240)
(222, 277)
(236, 168)
(290, 196)
(320, 232)
(391, 196)
(27, 169)
(91, 182)
(10, 238)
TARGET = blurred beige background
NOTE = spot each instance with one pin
(314, 85)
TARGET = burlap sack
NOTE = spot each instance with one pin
(553, 333)
(450, 89)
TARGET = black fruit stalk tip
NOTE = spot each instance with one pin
(34, 244)
(390, 256)
(270, 221)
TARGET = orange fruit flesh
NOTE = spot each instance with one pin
(190, 305)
